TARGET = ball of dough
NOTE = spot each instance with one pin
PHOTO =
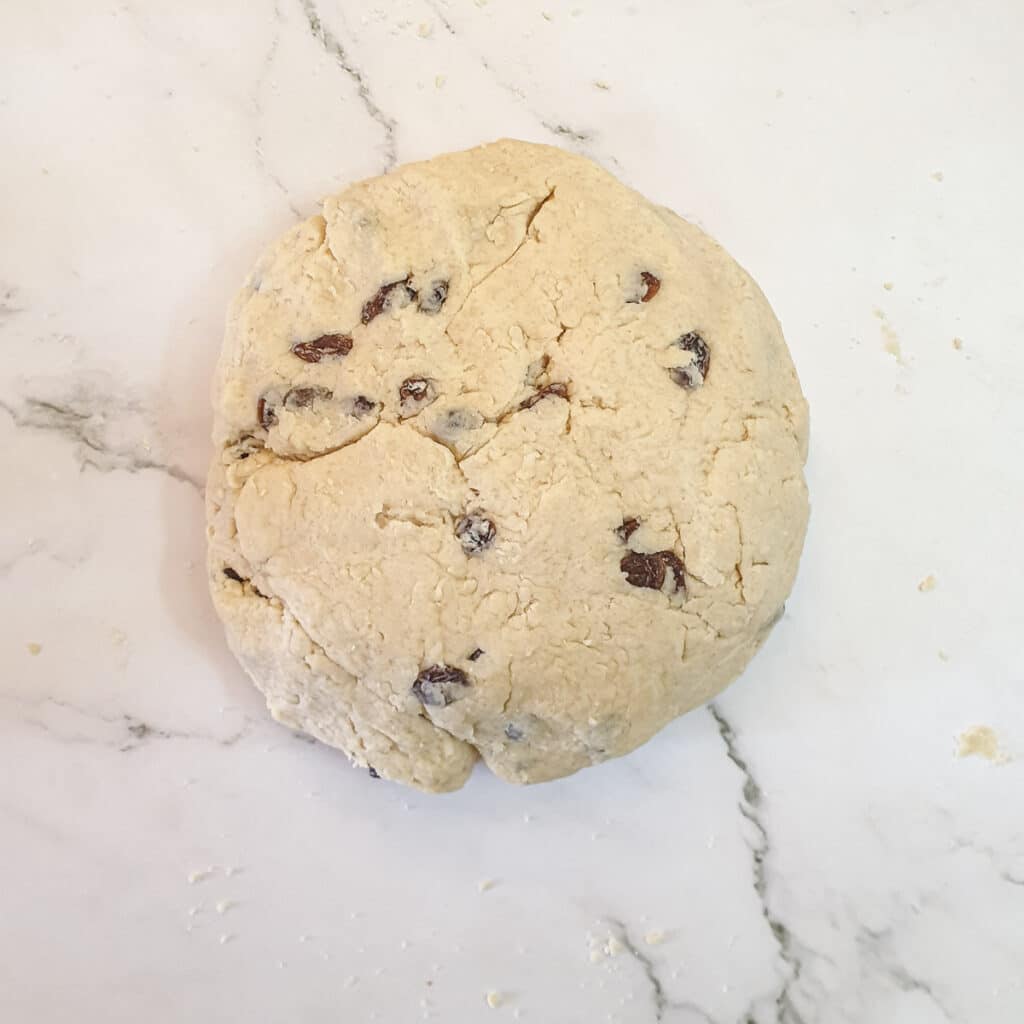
(508, 465)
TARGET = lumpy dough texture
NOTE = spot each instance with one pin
(509, 465)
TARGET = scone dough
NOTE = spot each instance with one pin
(509, 465)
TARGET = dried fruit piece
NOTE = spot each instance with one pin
(555, 390)
(462, 419)
(415, 393)
(246, 446)
(475, 532)
(652, 571)
(438, 685)
(513, 732)
(266, 414)
(651, 285)
(478, 653)
(304, 397)
(695, 374)
(374, 774)
(627, 529)
(233, 575)
(385, 296)
(327, 346)
(362, 406)
(431, 300)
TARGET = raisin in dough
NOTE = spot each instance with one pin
(509, 465)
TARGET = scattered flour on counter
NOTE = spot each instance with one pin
(890, 339)
(958, 343)
(654, 938)
(928, 583)
(223, 906)
(981, 741)
(200, 874)
(34, 648)
(494, 1000)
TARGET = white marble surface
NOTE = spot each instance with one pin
(810, 848)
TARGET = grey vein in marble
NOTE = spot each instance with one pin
(750, 807)
(81, 427)
(661, 1002)
(567, 133)
(872, 946)
(9, 303)
(558, 129)
(333, 48)
(126, 732)
(261, 159)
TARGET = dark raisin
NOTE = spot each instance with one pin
(374, 774)
(265, 413)
(459, 419)
(650, 571)
(303, 398)
(433, 298)
(685, 377)
(384, 296)
(651, 285)
(439, 685)
(556, 390)
(513, 732)
(475, 532)
(478, 653)
(627, 529)
(696, 373)
(416, 392)
(232, 575)
(327, 346)
(361, 406)
(245, 446)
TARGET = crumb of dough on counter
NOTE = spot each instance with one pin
(981, 741)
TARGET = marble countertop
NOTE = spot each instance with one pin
(835, 839)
